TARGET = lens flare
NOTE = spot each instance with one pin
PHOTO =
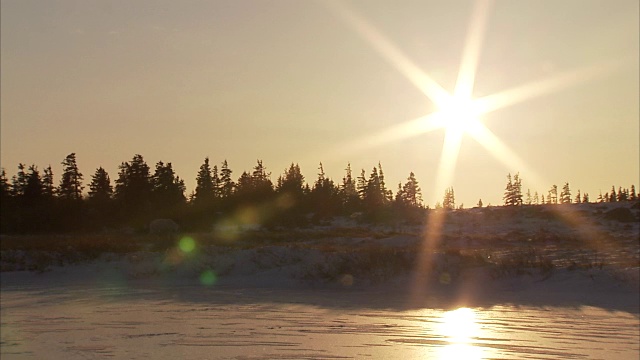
(187, 244)
(208, 278)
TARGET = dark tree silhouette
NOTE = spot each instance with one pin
(133, 192)
(449, 200)
(565, 194)
(348, 194)
(167, 194)
(71, 182)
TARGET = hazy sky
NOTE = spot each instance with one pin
(293, 81)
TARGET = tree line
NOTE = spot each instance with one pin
(513, 194)
(31, 202)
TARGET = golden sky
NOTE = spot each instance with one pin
(304, 81)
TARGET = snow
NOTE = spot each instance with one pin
(546, 263)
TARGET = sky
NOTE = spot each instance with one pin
(326, 81)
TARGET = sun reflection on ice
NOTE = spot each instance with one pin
(460, 328)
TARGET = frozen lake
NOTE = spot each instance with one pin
(195, 322)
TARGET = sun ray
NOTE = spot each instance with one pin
(538, 88)
(390, 52)
(471, 51)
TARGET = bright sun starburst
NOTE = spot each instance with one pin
(458, 113)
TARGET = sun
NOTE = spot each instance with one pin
(459, 115)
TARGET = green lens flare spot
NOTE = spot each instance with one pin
(187, 244)
(208, 278)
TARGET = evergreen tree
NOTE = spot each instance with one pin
(291, 182)
(361, 186)
(536, 199)
(100, 189)
(517, 189)
(133, 191)
(632, 195)
(578, 197)
(5, 188)
(513, 190)
(227, 186)
(529, 199)
(205, 188)
(449, 201)
(542, 201)
(600, 198)
(585, 198)
(411, 194)
(47, 183)
(622, 194)
(348, 193)
(71, 183)
(612, 196)
(33, 191)
(386, 194)
(19, 181)
(167, 190)
(324, 197)
(374, 194)
(552, 197)
(565, 194)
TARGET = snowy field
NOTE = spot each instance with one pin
(539, 284)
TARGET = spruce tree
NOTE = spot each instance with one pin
(5, 188)
(47, 183)
(585, 198)
(33, 191)
(508, 192)
(167, 189)
(205, 188)
(632, 195)
(613, 197)
(578, 197)
(565, 194)
(71, 182)
(100, 189)
(411, 193)
(449, 201)
(227, 186)
(348, 193)
(19, 181)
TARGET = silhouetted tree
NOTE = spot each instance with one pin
(100, 189)
(449, 201)
(324, 195)
(99, 200)
(622, 194)
(585, 198)
(205, 192)
(612, 196)
(19, 181)
(633, 196)
(227, 186)
(410, 193)
(47, 183)
(578, 199)
(348, 193)
(565, 194)
(71, 182)
(552, 197)
(133, 191)
(167, 194)
(5, 188)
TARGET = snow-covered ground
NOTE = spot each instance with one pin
(544, 282)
